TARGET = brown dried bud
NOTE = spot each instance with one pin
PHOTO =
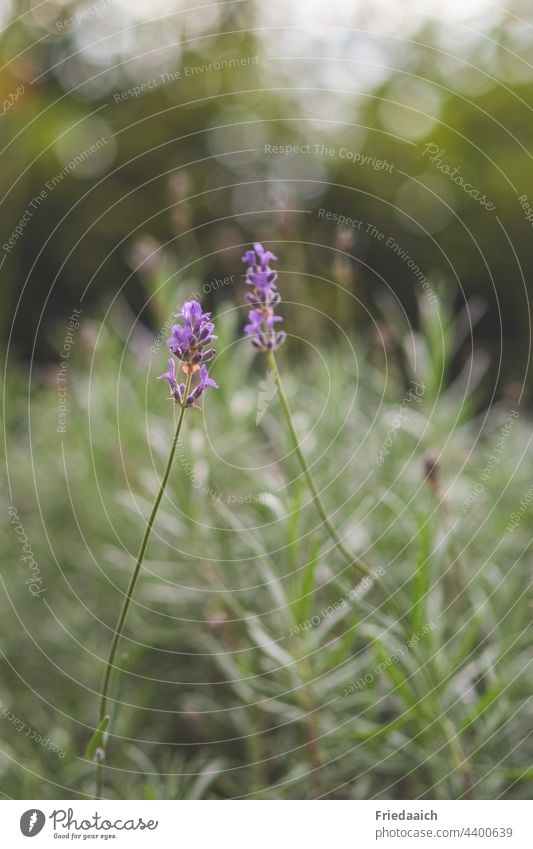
(431, 469)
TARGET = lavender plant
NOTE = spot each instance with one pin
(188, 344)
(380, 740)
(264, 297)
(262, 333)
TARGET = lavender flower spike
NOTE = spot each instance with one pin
(188, 343)
(264, 297)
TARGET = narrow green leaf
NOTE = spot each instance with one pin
(303, 603)
(420, 581)
(394, 671)
(293, 526)
(97, 738)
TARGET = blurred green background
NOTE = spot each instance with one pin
(185, 161)
(144, 145)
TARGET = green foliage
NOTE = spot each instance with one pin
(252, 665)
(96, 740)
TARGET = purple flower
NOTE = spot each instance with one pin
(187, 343)
(200, 388)
(170, 375)
(255, 317)
(189, 339)
(264, 297)
(177, 391)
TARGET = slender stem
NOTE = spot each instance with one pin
(458, 758)
(357, 562)
(461, 762)
(133, 580)
(312, 744)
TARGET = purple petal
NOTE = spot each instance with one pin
(170, 375)
(249, 257)
(205, 380)
(191, 312)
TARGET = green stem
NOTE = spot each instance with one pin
(357, 562)
(312, 744)
(133, 580)
(458, 758)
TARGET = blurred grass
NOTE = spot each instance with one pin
(224, 690)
